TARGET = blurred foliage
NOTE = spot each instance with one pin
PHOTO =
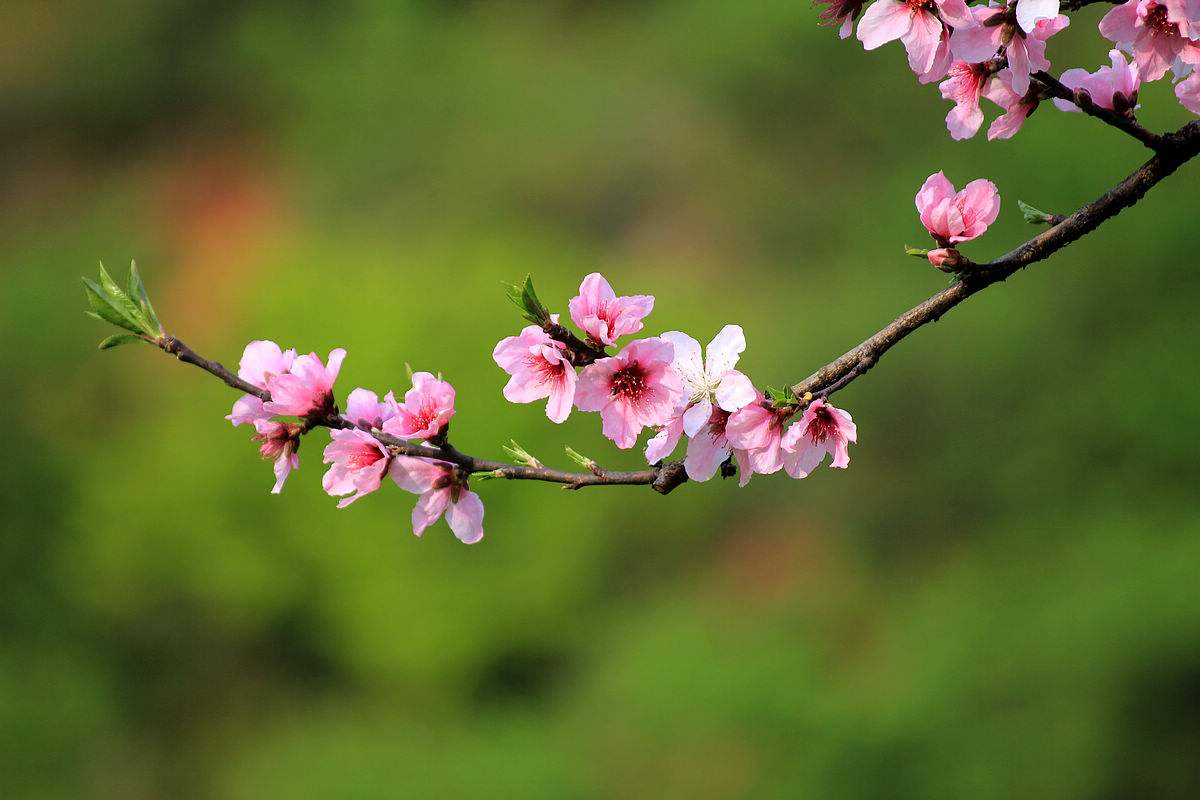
(997, 600)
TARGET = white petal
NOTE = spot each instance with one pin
(723, 351)
(1030, 11)
(695, 417)
(687, 358)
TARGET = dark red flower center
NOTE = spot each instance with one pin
(629, 382)
(1156, 20)
(364, 457)
(822, 426)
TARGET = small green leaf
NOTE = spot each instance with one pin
(780, 397)
(1034, 216)
(580, 459)
(137, 291)
(108, 308)
(520, 454)
(121, 299)
(915, 251)
(118, 339)
(524, 297)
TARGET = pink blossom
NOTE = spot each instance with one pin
(843, 11)
(1108, 87)
(1017, 108)
(279, 442)
(261, 361)
(426, 410)
(918, 24)
(1158, 35)
(602, 315)
(712, 378)
(1026, 52)
(363, 407)
(358, 461)
(951, 218)
(965, 88)
(306, 387)
(709, 447)
(636, 388)
(539, 368)
(758, 429)
(822, 429)
(1188, 93)
(442, 490)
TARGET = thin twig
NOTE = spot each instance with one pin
(1121, 121)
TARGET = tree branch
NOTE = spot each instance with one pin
(1122, 121)
(662, 478)
(1175, 149)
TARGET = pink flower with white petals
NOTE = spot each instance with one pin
(758, 429)
(602, 315)
(358, 461)
(426, 410)
(261, 361)
(1026, 52)
(443, 491)
(279, 442)
(1157, 34)
(637, 388)
(539, 368)
(712, 378)
(822, 429)
(951, 218)
(363, 407)
(1188, 93)
(965, 88)
(306, 387)
(1109, 87)
(918, 24)
(1017, 108)
(840, 11)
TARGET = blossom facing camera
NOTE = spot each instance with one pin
(358, 463)
(822, 429)
(952, 217)
(306, 387)
(603, 316)
(426, 411)
(443, 492)
(710, 379)
(635, 389)
(539, 368)
(279, 442)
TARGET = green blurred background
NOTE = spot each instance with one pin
(997, 600)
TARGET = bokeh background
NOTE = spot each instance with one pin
(998, 599)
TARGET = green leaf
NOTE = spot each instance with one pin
(525, 298)
(108, 308)
(520, 454)
(121, 299)
(580, 459)
(1034, 216)
(781, 397)
(915, 251)
(118, 339)
(137, 291)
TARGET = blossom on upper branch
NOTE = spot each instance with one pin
(918, 24)
(358, 463)
(1017, 107)
(1161, 36)
(306, 387)
(539, 368)
(1114, 88)
(602, 315)
(426, 410)
(1025, 50)
(442, 490)
(637, 388)
(261, 361)
(957, 217)
(822, 429)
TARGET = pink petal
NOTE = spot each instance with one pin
(885, 21)
(696, 417)
(465, 517)
(735, 391)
